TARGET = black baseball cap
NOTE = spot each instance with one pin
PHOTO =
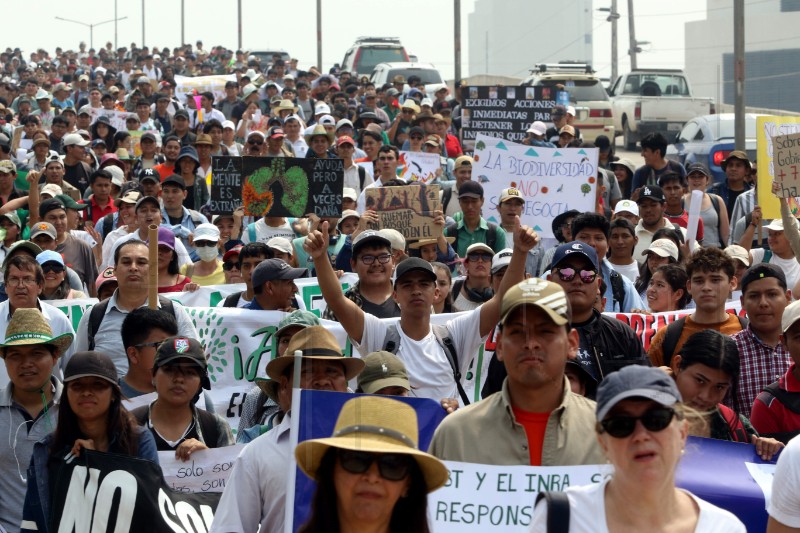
(174, 179)
(181, 113)
(91, 364)
(413, 264)
(272, 269)
(147, 199)
(174, 349)
(470, 189)
(651, 192)
(698, 167)
(50, 205)
(149, 174)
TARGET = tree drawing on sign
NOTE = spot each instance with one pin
(586, 189)
(259, 191)
(480, 145)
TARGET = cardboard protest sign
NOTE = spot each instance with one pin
(767, 128)
(419, 166)
(277, 186)
(503, 112)
(551, 180)
(407, 209)
(98, 490)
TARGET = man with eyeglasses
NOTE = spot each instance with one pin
(274, 287)
(476, 288)
(606, 344)
(372, 261)
(143, 329)
(535, 419)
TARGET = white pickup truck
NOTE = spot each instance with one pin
(650, 100)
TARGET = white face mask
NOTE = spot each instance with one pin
(207, 253)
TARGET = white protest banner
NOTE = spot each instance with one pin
(117, 118)
(419, 166)
(185, 85)
(763, 475)
(551, 180)
(480, 498)
(207, 470)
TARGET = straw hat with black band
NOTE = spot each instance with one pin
(29, 327)
(374, 424)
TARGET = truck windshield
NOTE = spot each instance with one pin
(427, 75)
(579, 90)
(656, 85)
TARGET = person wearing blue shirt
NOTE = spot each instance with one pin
(274, 288)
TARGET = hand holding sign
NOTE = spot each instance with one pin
(185, 449)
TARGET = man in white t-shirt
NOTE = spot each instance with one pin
(780, 254)
(784, 505)
(415, 289)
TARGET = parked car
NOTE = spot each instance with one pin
(367, 52)
(586, 94)
(709, 139)
(426, 72)
(265, 56)
(649, 100)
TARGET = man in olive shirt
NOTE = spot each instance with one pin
(535, 419)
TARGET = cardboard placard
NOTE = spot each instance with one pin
(277, 186)
(767, 129)
(407, 209)
(786, 161)
(504, 112)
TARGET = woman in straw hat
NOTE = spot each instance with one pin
(371, 475)
(92, 418)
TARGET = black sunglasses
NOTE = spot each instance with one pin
(392, 466)
(568, 274)
(257, 143)
(230, 265)
(621, 426)
(52, 266)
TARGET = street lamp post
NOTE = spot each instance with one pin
(90, 26)
(613, 16)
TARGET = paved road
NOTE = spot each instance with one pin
(635, 157)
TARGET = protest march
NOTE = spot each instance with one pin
(241, 296)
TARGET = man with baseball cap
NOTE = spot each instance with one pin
(472, 227)
(30, 400)
(536, 135)
(273, 285)
(736, 168)
(651, 219)
(76, 171)
(434, 366)
(627, 209)
(606, 344)
(54, 173)
(535, 419)
(8, 173)
(255, 493)
(462, 172)
(180, 128)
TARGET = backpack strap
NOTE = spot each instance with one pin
(391, 342)
(232, 299)
(447, 195)
(457, 284)
(557, 511)
(491, 236)
(196, 217)
(108, 224)
(715, 204)
(208, 427)
(735, 426)
(767, 256)
(251, 231)
(789, 400)
(444, 339)
(451, 230)
(99, 311)
(362, 176)
(617, 289)
(671, 337)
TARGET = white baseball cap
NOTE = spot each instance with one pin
(627, 206)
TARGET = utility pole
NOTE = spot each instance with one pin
(614, 16)
(319, 35)
(240, 24)
(487, 52)
(115, 24)
(142, 22)
(183, 20)
(631, 36)
(457, 39)
(738, 71)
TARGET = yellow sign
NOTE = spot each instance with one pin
(766, 129)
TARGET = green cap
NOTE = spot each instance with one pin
(382, 369)
(69, 203)
(298, 317)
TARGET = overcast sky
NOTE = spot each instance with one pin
(425, 27)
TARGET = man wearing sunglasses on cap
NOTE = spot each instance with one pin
(606, 344)
(535, 419)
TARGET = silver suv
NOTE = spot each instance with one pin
(361, 58)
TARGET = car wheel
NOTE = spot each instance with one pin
(629, 137)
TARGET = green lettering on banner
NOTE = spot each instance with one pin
(312, 294)
(248, 369)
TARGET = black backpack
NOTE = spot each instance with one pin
(789, 400)
(207, 422)
(391, 343)
(99, 311)
(617, 290)
(673, 333)
(557, 511)
(232, 299)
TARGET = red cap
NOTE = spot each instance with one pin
(345, 139)
(233, 251)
